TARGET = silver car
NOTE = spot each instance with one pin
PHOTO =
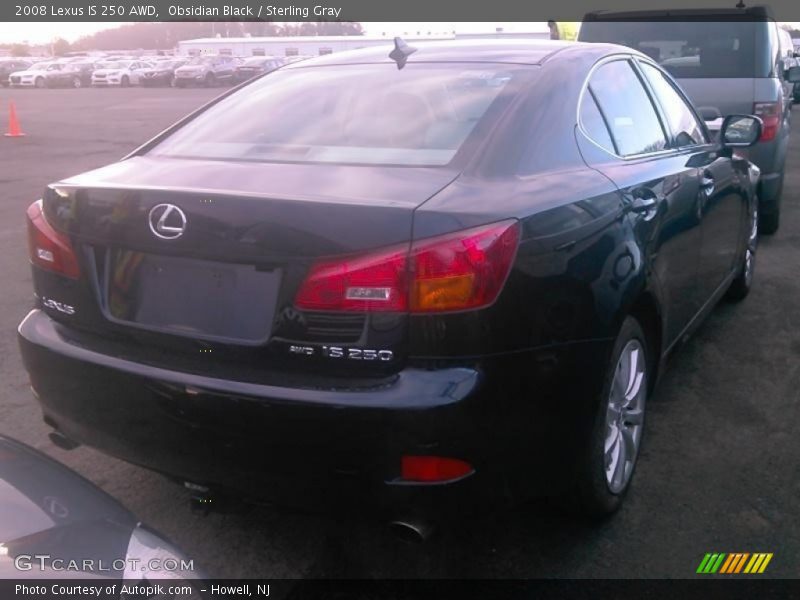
(56, 524)
(729, 61)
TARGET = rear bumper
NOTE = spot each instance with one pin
(189, 79)
(155, 80)
(313, 448)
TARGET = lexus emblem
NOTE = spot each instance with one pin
(167, 221)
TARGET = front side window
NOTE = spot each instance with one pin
(629, 112)
(363, 114)
(682, 121)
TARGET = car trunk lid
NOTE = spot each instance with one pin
(202, 254)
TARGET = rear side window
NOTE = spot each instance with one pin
(682, 121)
(631, 117)
(594, 124)
(697, 49)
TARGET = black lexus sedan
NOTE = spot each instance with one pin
(411, 279)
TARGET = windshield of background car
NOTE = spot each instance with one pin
(361, 114)
(109, 65)
(697, 49)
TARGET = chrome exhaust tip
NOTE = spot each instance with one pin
(411, 531)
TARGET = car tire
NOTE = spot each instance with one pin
(606, 466)
(124, 82)
(768, 223)
(40, 83)
(210, 80)
(740, 286)
(76, 82)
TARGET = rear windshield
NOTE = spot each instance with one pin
(362, 114)
(696, 49)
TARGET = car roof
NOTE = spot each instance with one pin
(756, 12)
(518, 51)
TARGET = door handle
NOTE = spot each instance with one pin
(644, 202)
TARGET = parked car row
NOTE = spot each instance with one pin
(116, 71)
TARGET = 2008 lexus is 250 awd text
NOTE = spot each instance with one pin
(411, 279)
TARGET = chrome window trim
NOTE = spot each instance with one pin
(631, 157)
(584, 88)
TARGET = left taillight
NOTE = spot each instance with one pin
(458, 271)
(48, 248)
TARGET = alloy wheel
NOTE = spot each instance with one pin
(752, 242)
(625, 416)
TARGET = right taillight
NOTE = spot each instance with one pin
(48, 248)
(770, 113)
(463, 270)
(457, 271)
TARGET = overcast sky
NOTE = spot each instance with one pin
(38, 33)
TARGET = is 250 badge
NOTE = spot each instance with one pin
(364, 354)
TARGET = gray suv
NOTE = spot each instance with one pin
(209, 70)
(729, 61)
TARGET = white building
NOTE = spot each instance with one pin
(315, 45)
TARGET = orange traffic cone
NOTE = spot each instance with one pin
(13, 124)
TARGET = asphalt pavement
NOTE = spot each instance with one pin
(719, 469)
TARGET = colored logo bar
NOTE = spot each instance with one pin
(734, 563)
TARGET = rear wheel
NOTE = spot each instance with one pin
(211, 81)
(740, 286)
(125, 82)
(606, 467)
(76, 82)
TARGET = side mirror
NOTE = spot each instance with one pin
(740, 131)
(792, 74)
